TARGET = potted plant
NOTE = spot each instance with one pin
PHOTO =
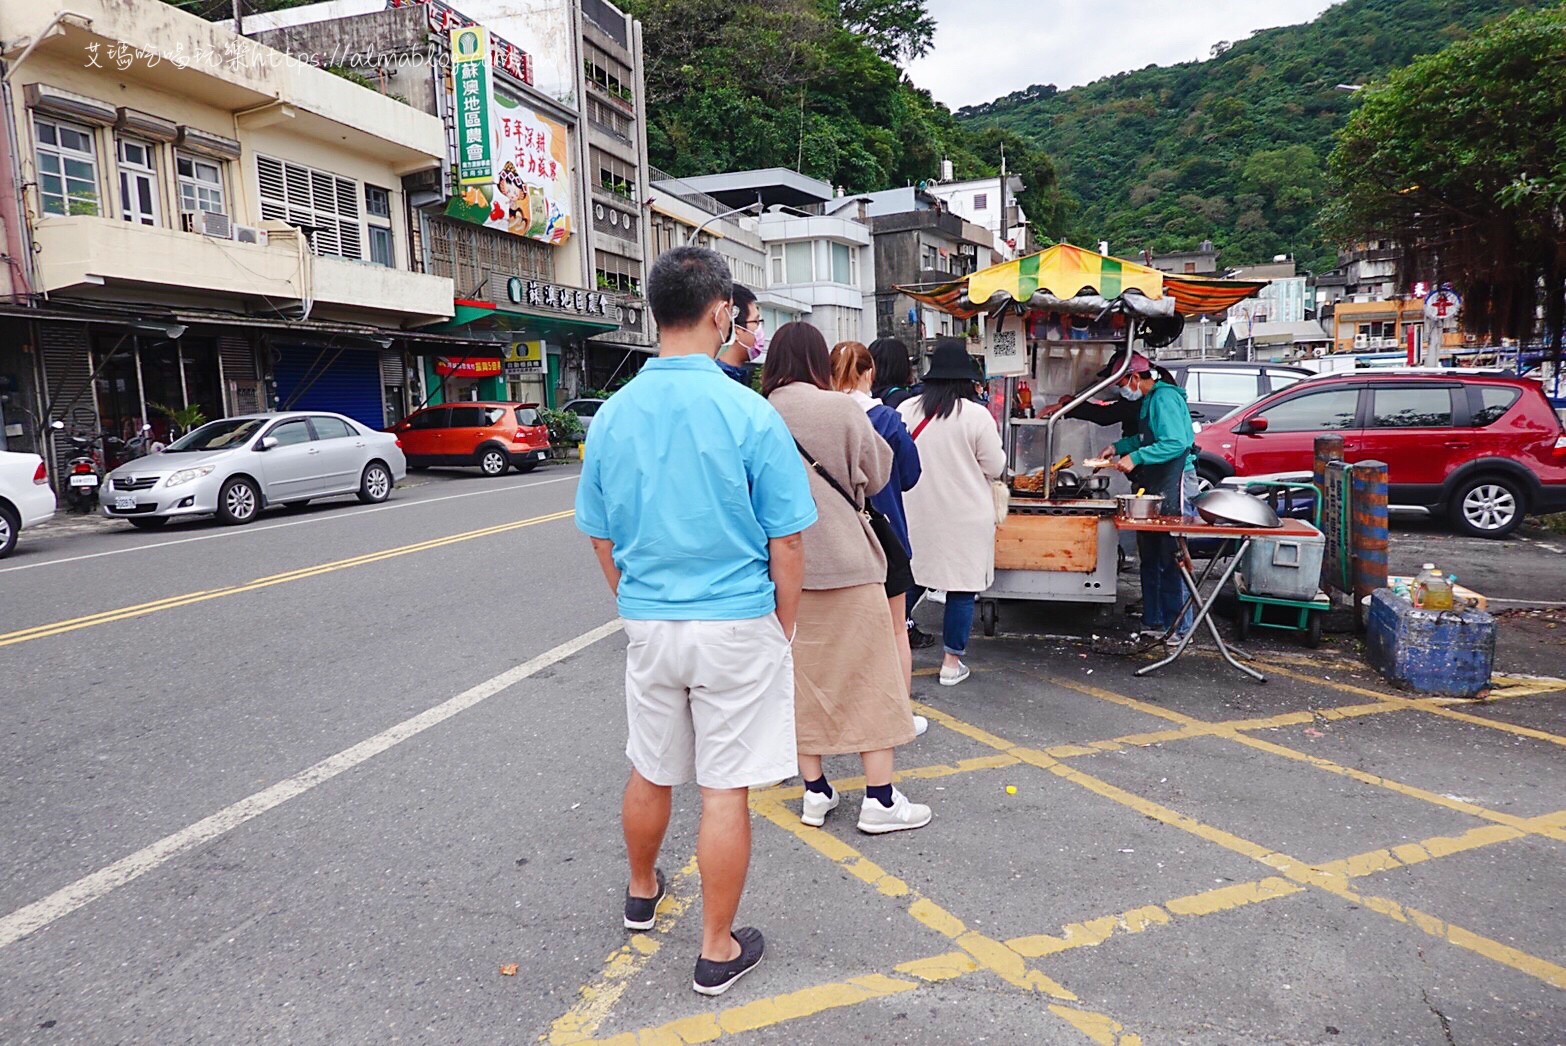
(565, 431)
(184, 419)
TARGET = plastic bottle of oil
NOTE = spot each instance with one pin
(1432, 591)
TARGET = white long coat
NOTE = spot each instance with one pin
(951, 512)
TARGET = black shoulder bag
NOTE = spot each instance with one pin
(897, 562)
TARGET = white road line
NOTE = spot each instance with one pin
(84, 891)
(244, 531)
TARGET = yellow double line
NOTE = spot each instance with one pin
(142, 609)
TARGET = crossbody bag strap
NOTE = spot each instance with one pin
(920, 427)
(824, 474)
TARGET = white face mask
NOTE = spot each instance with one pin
(728, 339)
(1132, 392)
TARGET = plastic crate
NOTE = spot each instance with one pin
(1284, 568)
(1448, 652)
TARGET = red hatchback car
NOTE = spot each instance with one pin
(1483, 449)
(492, 436)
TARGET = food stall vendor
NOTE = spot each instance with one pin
(1160, 458)
(1117, 410)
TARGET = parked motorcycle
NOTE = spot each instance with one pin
(83, 473)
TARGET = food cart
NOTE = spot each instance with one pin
(1052, 321)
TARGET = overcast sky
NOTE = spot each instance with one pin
(988, 48)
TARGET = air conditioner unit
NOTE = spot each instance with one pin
(1361, 340)
(249, 234)
(207, 223)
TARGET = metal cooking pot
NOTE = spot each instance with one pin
(1095, 486)
(1138, 506)
(1067, 483)
(1236, 507)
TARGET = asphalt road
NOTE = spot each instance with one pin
(352, 774)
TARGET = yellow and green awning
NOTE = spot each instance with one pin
(1066, 271)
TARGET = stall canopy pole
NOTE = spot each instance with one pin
(1049, 426)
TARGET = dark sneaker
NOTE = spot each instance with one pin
(918, 639)
(642, 912)
(715, 978)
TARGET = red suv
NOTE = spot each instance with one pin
(1483, 449)
(493, 436)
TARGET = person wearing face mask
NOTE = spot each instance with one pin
(1161, 459)
(747, 348)
(1116, 410)
(696, 501)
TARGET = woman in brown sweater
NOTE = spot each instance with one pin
(848, 692)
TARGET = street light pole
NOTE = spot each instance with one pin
(717, 217)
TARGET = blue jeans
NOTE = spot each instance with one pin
(957, 624)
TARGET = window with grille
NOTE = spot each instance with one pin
(325, 206)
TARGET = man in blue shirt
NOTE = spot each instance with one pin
(695, 497)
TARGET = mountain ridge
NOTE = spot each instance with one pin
(1232, 148)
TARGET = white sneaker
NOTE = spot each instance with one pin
(902, 815)
(817, 806)
(953, 676)
(921, 724)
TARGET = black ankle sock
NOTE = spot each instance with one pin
(880, 793)
(819, 786)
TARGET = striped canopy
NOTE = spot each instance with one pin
(1065, 271)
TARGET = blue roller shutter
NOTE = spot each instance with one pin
(346, 381)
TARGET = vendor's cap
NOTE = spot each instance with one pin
(950, 362)
(1140, 364)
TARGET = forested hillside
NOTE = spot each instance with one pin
(813, 85)
(1232, 148)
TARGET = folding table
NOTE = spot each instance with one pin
(1234, 540)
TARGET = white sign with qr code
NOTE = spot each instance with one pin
(1006, 351)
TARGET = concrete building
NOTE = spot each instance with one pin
(919, 241)
(819, 251)
(203, 224)
(682, 214)
(548, 265)
(979, 201)
(1203, 261)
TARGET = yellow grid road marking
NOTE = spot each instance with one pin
(1007, 959)
(1229, 733)
(597, 998)
(1290, 867)
(1088, 933)
(1422, 705)
(172, 602)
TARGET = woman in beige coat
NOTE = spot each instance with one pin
(951, 513)
(849, 694)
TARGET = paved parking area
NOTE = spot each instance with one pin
(1183, 858)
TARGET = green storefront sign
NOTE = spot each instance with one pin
(471, 83)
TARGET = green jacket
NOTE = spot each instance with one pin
(1164, 430)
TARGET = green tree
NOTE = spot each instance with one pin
(1461, 157)
(897, 30)
(1210, 122)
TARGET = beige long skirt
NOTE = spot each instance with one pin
(849, 694)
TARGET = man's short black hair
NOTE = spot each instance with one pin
(685, 283)
(743, 296)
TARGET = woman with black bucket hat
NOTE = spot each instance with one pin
(951, 513)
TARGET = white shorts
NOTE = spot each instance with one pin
(710, 701)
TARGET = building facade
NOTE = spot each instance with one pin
(203, 226)
(681, 214)
(545, 248)
(991, 205)
(919, 241)
(819, 251)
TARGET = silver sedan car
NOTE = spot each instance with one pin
(235, 467)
